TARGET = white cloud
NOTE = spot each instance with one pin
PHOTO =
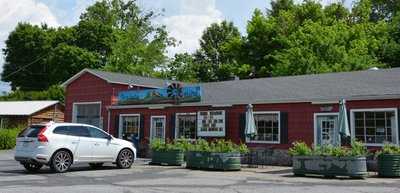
(188, 26)
(13, 12)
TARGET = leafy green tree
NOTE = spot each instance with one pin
(214, 60)
(52, 93)
(180, 68)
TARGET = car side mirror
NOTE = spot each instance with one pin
(109, 137)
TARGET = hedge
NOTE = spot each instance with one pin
(8, 138)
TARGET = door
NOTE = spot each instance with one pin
(327, 129)
(157, 129)
(103, 147)
(84, 149)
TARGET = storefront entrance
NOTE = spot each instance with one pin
(325, 128)
(129, 125)
(157, 129)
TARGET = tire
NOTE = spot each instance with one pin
(96, 165)
(61, 161)
(31, 167)
(125, 159)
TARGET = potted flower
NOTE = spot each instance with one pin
(167, 153)
(329, 161)
(216, 155)
(389, 161)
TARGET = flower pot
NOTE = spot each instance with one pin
(171, 158)
(389, 165)
(355, 167)
(213, 161)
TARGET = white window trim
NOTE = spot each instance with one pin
(279, 128)
(395, 132)
(74, 113)
(176, 123)
(211, 133)
(316, 124)
(120, 124)
(151, 125)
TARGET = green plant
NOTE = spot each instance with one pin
(8, 138)
(389, 149)
(358, 149)
(300, 148)
(218, 146)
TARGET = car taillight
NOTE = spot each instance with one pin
(41, 137)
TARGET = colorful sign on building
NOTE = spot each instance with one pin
(174, 93)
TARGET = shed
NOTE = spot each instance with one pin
(23, 113)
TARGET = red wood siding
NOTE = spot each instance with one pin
(90, 88)
(300, 118)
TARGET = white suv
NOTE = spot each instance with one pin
(59, 145)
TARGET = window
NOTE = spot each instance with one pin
(129, 125)
(80, 131)
(62, 130)
(375, 126)
(96, 133)
(88, 113)
(186, 125)
(211, 123)
(157, 127)
(32, 131)
(268, 126)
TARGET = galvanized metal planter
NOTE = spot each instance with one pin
(213, 161)
(389, 165)
(171, 158)
(355, 167)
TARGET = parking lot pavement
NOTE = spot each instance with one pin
(145, 178)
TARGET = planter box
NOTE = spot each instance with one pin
(213, 161)
(389, 165)
(355, 167)
(170, 158)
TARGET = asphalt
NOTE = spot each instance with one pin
(146, 178)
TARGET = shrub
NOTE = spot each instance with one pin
(161, 145)
(390, 149)
(8, 138)
(300, 148)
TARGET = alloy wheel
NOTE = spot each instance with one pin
(62, 161)
(125, 158)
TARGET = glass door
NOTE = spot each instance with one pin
(327, 129)
(157, 129)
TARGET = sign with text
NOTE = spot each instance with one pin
(172, 94)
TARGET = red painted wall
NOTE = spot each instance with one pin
(90, 88)
(300, 118)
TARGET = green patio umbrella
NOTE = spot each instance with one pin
(343, 123)
(250, 129)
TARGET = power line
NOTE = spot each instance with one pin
(22, 68)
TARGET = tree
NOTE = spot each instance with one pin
(180, 68)
(213, 59)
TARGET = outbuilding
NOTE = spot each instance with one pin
(23, 113)
(286, 109)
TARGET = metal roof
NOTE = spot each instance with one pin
(119, 78)
(316, 88)
(23, 108)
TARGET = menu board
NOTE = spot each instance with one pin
(211, 123)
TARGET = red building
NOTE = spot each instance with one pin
(287, 109)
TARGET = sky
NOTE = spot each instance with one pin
(185, 19)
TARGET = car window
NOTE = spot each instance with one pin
(96, 133)
(31, 131)
(62, 130)
(80, 131)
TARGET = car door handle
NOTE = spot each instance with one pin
(74, 142)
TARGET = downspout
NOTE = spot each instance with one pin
(108, 119)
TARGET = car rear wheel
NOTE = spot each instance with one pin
(125, 159)
(61, 161)
(96, 165)
(31, 167)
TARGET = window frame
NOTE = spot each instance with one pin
(395, 130)
(75, 111)
(248, 140)
(151, 125)
(211, 133)
(120, 124)
(177, 123)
